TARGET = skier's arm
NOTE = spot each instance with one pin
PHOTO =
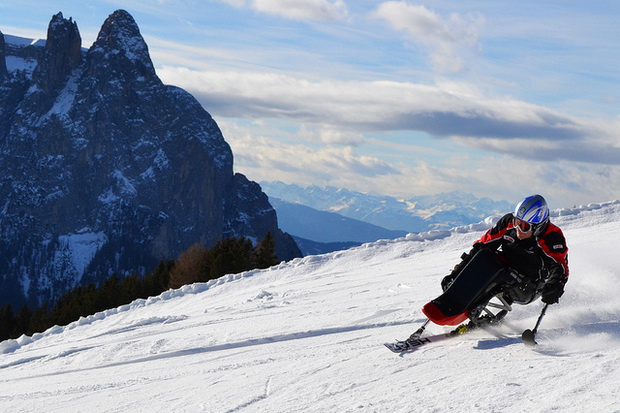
(493, 237)
(555, 269)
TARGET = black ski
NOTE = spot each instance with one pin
(415, 342)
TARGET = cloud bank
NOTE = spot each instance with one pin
(502, 125)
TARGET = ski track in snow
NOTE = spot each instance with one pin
(307, 336)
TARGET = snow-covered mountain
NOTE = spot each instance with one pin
(417, 214)
(323, 226)
(319, 232)
(104, 169)
(306, 336)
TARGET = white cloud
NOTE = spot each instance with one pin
(331, 135)
(322, 10)
(303, 9)
(443, 39)
(267, 158)
(235, 3)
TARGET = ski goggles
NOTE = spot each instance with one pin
(523, 226)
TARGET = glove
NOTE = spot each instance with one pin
(552, 291)
(446, 281)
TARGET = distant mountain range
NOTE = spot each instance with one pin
(318, 232)
(329, 214)
(323, 226)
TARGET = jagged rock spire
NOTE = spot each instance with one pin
(62, 55)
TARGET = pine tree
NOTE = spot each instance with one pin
(108, 294)
(159, 281)
(265, 252)
(7, 321)
(23, 321)
(40, 320)
(230, 256)
(131, 288)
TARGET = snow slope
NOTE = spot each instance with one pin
(306, 336)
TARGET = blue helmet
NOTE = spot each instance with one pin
(534, 210)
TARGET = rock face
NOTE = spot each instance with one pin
(3, 70)
(104, 169)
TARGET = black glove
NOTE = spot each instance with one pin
(552, 291)
(446, 281)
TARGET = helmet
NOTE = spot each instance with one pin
(534, 210)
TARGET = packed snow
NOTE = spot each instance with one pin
(306, 336)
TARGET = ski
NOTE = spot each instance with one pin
(481, 317)
(415, 342)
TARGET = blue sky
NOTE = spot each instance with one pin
(401, 98)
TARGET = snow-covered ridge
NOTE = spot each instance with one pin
(23, 41)
(565, 217)
(560, 216)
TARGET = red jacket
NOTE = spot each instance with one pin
(543, 256)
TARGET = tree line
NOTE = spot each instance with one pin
(197, 264)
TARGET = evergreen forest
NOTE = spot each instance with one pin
(196, 264)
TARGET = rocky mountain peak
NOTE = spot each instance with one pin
(62, 55)
(105, 170)
(120, 42)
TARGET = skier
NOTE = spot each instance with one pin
(523, 257)
(532, 249)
